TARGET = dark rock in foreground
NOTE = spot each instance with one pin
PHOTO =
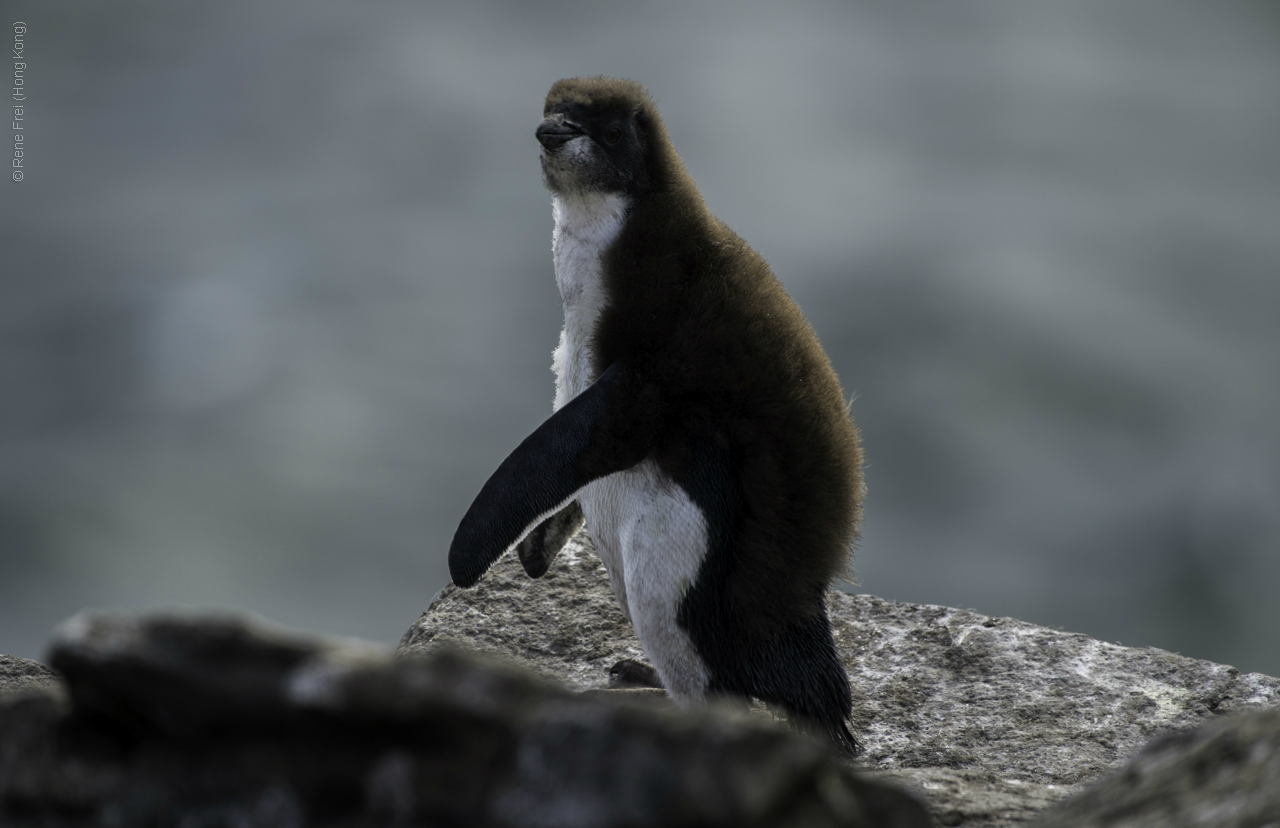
(217, 720)
(989, 719)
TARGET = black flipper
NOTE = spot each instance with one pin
(541, 545)
(605, 429)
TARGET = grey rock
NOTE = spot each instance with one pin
(22, 676)
(222, 720)
(991, 719)
(1224, 774)
(32, 699)
(565, 626)
(968, 798)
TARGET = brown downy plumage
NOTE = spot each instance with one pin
(708, 369)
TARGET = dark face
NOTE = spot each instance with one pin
(591, 149)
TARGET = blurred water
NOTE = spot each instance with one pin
(277, 293)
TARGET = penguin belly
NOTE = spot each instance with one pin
(649, 534)
(652, 539)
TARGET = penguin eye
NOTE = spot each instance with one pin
(612, 134)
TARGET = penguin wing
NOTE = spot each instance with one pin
(590, 437)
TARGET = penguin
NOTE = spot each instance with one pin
(699, 430)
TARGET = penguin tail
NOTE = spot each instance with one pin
(843, 739)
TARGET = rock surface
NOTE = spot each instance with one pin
(220, 720)
(22, 676)
(1224, 773)
(990, 719)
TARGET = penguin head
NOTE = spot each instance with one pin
(598, 135)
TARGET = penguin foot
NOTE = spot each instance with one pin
(629, 673)
(550, 536)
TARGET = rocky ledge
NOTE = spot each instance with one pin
(222, 720)
(989, 720)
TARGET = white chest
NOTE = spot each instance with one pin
(649, 534)
(585, 227)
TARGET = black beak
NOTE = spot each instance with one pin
(553, 133)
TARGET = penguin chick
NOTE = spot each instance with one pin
(698, 425)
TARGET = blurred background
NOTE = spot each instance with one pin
(277, 294)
